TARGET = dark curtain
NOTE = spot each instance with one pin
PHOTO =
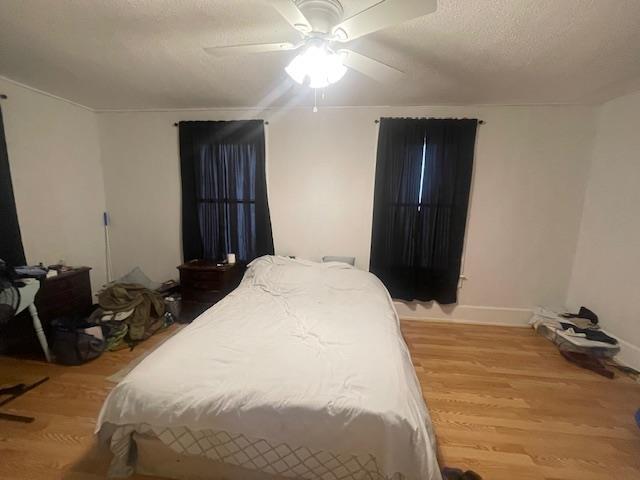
(224, 190)
(11, 250)
(421, 197)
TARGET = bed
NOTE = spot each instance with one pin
(301, 372)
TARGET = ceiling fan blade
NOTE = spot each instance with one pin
(385, 13)
(372, 68)
(249, 48)
(292, 14)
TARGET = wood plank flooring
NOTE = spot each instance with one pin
(507, 405)
(503, 402)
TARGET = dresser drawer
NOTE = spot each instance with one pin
(63, 307)
(196, 275)
(56, 286)
(67, 294)
(203, 283)
(202, 296)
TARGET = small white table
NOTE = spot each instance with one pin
(27, 299)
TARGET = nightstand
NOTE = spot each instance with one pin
(203, 283)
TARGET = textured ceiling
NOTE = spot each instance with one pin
(125, 54)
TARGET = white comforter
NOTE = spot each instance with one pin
(304, 353)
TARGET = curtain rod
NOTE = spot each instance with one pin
(176, 123)
(377, 120)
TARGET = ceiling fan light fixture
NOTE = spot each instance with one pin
(322, 66)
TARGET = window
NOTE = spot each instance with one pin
(225, 208)
(226, 196)
(424, 154)
(423, 179)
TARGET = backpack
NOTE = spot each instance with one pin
(75, 341)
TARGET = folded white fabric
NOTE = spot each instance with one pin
(572, 333)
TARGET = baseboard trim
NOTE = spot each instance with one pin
(463, 322)
(465, 314)
(629, 353)
(494, 316)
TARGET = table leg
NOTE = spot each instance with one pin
(38, 327)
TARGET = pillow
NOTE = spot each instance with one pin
(138, 276)
(349, 260)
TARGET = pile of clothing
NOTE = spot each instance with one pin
(578, 337)
(131, 310)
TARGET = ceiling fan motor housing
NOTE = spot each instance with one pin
(323, 15)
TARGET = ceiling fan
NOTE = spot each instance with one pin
(324, 30)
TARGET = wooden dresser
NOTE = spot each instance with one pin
(67, 294)
(204, 283)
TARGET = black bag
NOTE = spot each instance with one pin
(71, 345)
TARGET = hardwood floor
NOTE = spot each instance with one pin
(60, 443)
(503, 402)
(507, 405)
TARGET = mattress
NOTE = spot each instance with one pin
(301, 372)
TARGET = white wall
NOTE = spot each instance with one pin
(531, 170)
(530, 175)
(54, 156)
(606, 273)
